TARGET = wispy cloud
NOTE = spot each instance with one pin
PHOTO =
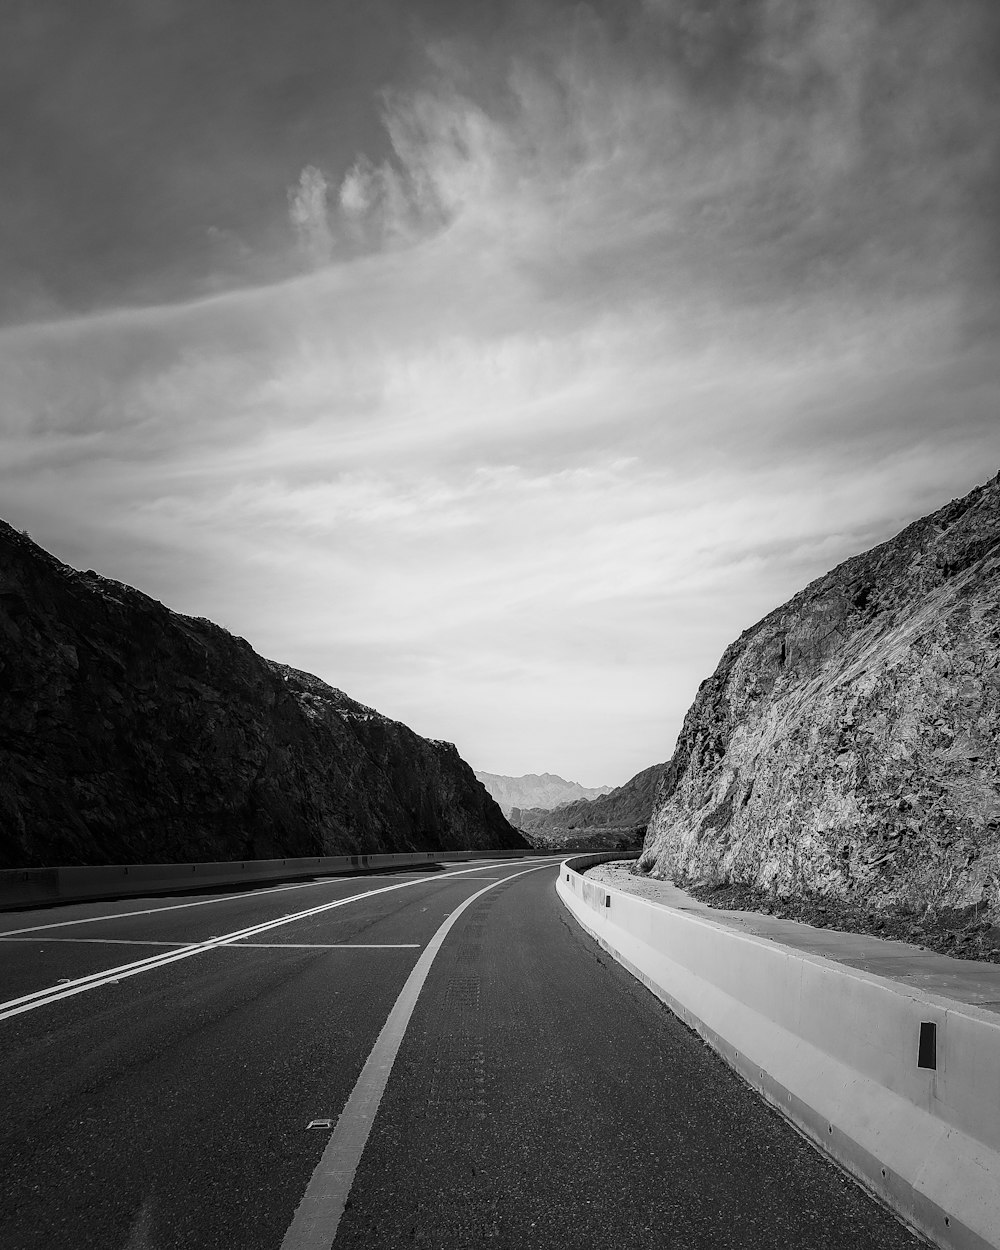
(374, 203)
(625, 334)
(309, 213)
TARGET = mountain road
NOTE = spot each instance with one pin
(436, 1058)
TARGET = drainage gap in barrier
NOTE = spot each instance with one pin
(927, 1045)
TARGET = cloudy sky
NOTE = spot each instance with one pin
(499, 362)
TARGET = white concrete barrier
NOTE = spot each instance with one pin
(837, 1050)
(28, 887)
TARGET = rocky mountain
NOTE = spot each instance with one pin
(534, 790)
(130, 733)
(613, 821)
(847, 744)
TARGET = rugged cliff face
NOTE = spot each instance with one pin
(848, 743)
(130, 734)
(613, 821)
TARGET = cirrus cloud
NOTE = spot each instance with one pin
(626, 332)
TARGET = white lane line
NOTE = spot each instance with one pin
(318, 1214)
(49, 941)
(236, 944)
(40, 998)
(325, 946)
(149, 911)
(229, 898)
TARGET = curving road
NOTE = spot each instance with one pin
(163, 1060)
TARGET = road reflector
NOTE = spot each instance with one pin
(927, 1045)
(320, 1124)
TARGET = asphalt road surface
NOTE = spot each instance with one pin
(481, 1072)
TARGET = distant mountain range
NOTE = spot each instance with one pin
(613, 821)
(534, 790)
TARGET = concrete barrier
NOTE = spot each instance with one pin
(32, 887)
(901, 1087)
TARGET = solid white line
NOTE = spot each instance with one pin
(236, 944)
(250, 893)
(318, 1214)
(325, 946)
(40, 998)
(150, 911)
(49, 941)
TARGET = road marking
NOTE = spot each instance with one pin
(150, 911)
(48, 941)
(325, 946)
(318, 1214)
(236, 944)
(41, 998)
(229, 898)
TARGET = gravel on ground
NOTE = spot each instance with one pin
(962, 933)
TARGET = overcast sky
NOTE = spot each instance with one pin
(498, 362)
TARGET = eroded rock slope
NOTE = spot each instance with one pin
(130, 733)
(848, 743)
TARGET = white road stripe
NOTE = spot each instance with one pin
(325, 946)
(149, 911)
(229, 898)
(237, 944)
(49, 941)
(318, 1214)
(41, 998)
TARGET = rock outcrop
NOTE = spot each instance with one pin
(535, 790)
(616, 821)
(847, 744)
(130, 733)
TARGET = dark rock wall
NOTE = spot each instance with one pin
(848, 743)
(131, 734)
